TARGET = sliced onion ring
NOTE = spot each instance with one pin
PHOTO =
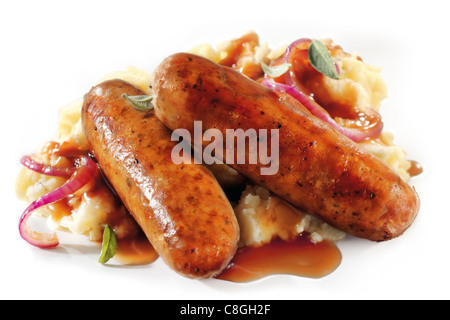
(292, 46)
(288, 58)
(30, 163)
(86, 169)
(354, 134)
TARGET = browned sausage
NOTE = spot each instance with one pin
(181, 208)
(320, 170)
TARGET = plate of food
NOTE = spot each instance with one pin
(232, 164)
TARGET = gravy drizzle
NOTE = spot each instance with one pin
(135, 251)
(300, 257)
(415, 169)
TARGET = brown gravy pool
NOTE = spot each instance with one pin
(415, 169)
(300, 257)
(135, 251)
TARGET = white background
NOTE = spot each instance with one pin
(52, 52)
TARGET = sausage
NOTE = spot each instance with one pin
(319, 170)
(181, 208)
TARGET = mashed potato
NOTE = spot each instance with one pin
(261, 214)
(393, 155)
(359, 82)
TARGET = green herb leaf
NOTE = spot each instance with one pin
(109, 245)
(321, 60)
(275, 71)
(142, 103)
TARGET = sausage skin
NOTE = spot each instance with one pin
(181, 208)
(320, 170)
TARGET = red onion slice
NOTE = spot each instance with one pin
(292, 46)
(83, 174)
(288, 57)
(354, 134)
(64, 172)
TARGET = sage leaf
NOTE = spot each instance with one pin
(109, 245)
(275, 71)
(321, 60)
(142, 102)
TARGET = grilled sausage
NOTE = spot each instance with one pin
(320, 170)
(181, 208)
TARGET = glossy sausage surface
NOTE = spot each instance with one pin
(181, 208)
(320, 170)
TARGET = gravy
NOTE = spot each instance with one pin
(300, 257)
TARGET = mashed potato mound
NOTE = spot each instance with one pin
(263, 216)
(393, 155)
(69, 125)
(133, 75)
